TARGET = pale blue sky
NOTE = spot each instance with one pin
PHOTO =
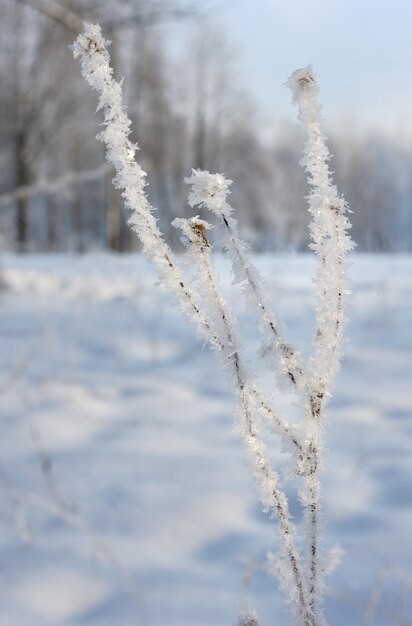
(361, 51)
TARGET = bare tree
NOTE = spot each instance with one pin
(37, 107)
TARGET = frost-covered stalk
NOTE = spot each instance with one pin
(210, 191)
(273, 499)
(331, 243)
(207, 308)
(91, 48)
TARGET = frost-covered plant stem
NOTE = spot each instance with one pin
(272, 497)
(203, 303)
(210, 191)
(130, 178)
(331, 243)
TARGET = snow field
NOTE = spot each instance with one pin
(101, 377)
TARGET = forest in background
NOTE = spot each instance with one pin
(189, 108)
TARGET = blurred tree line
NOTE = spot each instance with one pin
(188, 109)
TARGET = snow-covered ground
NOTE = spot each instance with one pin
(125, 497)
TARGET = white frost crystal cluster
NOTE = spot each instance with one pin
(208, 190)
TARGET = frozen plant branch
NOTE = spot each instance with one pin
(203, 303)
(331, 243)
(91, 48)
(329, 233)
(273, 499)
(210, 191)
(130, 178)
(223, 324)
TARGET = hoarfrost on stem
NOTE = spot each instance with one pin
(210, 191)
(331, 243)
(203, 302)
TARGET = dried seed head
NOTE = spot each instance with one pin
(199, 229)
(302, 80)
(193, 230)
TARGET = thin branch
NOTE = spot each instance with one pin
(91, 48)
(154, 16)
(131, 179)
(210, 191)
(46, 469)
(208, 309)
(331, 243)
(388, 616)
(53, 186)
(73, 22)
(272, 497)
(329, 233)
(16, 503)
(57, 13)
(215, 308)
(74, 521)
